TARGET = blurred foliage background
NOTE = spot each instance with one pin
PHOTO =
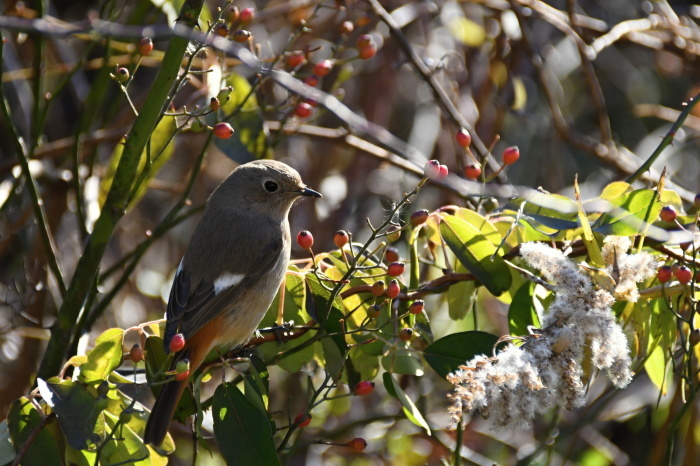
(582, 87)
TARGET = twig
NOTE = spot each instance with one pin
(428, 76)
(667, 140)
(37, 201)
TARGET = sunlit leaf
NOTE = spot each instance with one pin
(23, 420)
(476, 253)
(522, 312)
(104, 357)
(403, 361)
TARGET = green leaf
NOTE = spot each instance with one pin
(460, 296)
(7, 451)
(615, 190)
(476, 253)
(23, 420)
(125, 447)
(630, 213)
(452, 351)
(159, 150)
(658, 369)
(367, 367)
(243, 433)
(403, 361)
(104, 358)
(409, 408)
(389, 384)
(248, 141)
(76, 408)
(523, 310)
(594, 253)
(328, 314)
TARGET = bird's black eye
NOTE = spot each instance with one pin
(270, 186)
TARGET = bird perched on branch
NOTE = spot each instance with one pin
(231, 271)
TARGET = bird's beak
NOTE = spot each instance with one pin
(309, 192)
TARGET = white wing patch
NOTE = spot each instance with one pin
(227, 280)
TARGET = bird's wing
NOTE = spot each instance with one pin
(192, 305)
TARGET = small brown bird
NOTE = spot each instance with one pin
(231, 271)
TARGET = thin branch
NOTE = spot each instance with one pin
(37, 201)
(428, 76)
(667, 140)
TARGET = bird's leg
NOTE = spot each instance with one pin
(280, 331)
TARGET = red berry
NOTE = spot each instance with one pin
(303, 110)
(341, 238)
(683, 274)
(305, 239)
(419, 217)
(302, 420)
(234, 15)
(176, 343)
(221, 30)
(417, 306)
(374, 311)
(346, 27)
(664, 273)
(463, 137)
(295, 59)
(368, 51)
(214, 103)
(668, 213)
(180, 376)
(472, 171)
(357, 444)
(242, 35)
(434, 170)
(431, 169)
(322, 68)
(511, 155)
(393, 233)
(363, 41)
(395, 269)
(393, 290)
(222, 130)
(378, 288)
(391, 255)
(311, 80)
(145, 46)
(364, 388)
(136, 353)
(247, 16)
(405, 334)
